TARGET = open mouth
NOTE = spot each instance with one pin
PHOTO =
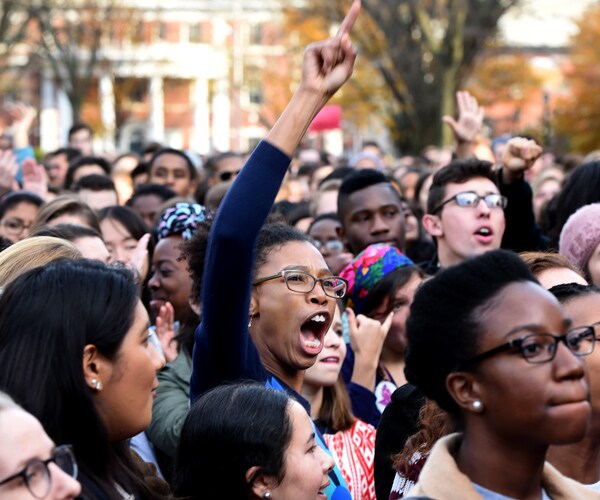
(312, 332)
(331, 360)
(322, 493)
(156, 303)
(484, 234)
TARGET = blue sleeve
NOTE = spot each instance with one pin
(363, 400)
(223, 349)
(364, 404)
(22, 154)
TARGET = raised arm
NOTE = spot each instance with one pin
(469, 123)
(223, 349)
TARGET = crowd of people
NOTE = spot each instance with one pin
(285, 324)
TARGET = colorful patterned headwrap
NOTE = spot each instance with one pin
(367, 268)
(181, 219)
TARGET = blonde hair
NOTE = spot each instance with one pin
(33, 252)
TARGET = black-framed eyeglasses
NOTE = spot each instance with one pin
(331, 245)
(36, 474)
(542, 347)
(472, 199)
(303, 282)
(225, 176)
(14, 227)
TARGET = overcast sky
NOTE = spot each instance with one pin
(543, 22)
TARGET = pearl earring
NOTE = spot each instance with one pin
(266, 495)
(477, 405)
(97, 384)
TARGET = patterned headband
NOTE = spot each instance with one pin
(181, 219)
(367, 269)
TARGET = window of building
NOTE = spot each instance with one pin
(256, 34)
(196, 33)
(254, 84)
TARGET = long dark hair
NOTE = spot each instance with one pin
(137, 228)
(57, 310)
(227, 431)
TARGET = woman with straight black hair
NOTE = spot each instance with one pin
(496, 351)
(82, 364)
(268, 450)
(128, 240)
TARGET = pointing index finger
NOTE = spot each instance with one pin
(349, 20)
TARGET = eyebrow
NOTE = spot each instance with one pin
(532, 327)
(165, 261)
(377, 208)
(306, 269)
(310, 438)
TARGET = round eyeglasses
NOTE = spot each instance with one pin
(542, 347)
(14, 227)
(37, 476)
(471, 199)
(335, 246)
(302, 282)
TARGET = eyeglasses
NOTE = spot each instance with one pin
(471, 199)
(36, 474)
(14, 227)
(542, 347)
(331, 245)
(225, 176)
(301, 282)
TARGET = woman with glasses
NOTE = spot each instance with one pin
(496, 351)
(31, 466)
(83, 365)
(269, 298)
(323, 231)
(581, 461)
(17, 213)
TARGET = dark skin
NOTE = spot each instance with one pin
(525, 407)
(581, 461)
(372, 215)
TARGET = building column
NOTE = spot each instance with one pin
(156, 122)
(50, 132)
(65, 116)
(107, 113)
(200, 141)
(221, 107)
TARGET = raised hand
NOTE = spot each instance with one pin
(520, 154)
(21, 116)
(139, 260)
(366, 339)
(470, 118)
(34, 178)
(165, 331)
(8, 171)
(468, 126)
(327, 65)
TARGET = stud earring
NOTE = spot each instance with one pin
(266, 495)
(477, 405)
(97, 384)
